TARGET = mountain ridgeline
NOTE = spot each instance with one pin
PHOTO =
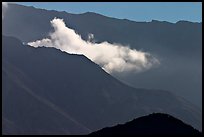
(176, 45)
(47, 91)
(153, 124)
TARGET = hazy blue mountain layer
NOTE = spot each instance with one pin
(178, 46)
(46, 91)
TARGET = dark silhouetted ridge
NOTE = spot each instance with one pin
(153, 124)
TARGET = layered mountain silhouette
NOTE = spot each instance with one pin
(153, 124)
(177, 45)
(47, 91)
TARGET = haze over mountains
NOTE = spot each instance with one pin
(177, 46)
(47, 91)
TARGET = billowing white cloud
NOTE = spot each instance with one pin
(4, 8)
(111, 57)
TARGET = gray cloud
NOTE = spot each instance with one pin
(111, 57)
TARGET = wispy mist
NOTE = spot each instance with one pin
(111, 57)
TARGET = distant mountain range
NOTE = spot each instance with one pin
(177, 45)
(47, 91)
(153, 124)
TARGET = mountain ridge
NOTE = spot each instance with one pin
(68, 85)
(152, 124)
(106, 16)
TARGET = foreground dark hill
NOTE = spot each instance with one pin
(177, 45)
(153, 124)
(46, 91)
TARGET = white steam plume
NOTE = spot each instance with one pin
(4, 8)
(111, 57)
